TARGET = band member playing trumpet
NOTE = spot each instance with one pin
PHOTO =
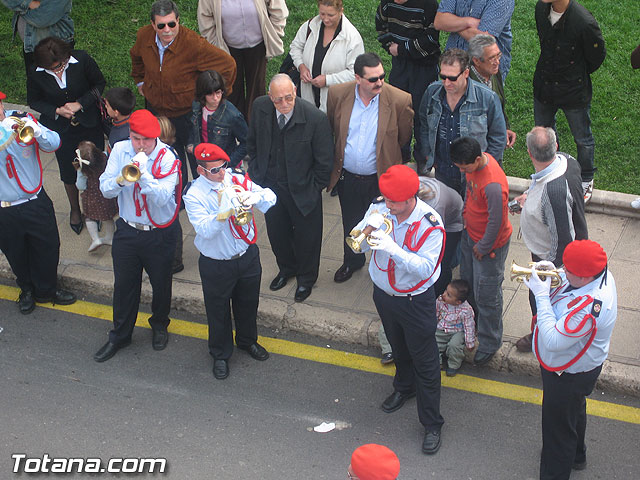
(28, 230)
(404, 266)
(146, 233)
(571, 341)
(229, 257)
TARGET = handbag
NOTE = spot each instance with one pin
(289, 68)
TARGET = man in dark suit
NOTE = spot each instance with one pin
(290, 149)
(371, 122)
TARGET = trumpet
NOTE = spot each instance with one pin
(519, 273)
(243, 213)
(24, 132)
(131, 172)
(356, 237)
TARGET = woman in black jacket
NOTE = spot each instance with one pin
(63, 85)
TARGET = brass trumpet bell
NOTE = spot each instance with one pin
(131, 172)
(519, 273)
(243, 213)
(356, 237)
(24, 132)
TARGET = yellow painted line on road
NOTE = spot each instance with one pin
(354, 361)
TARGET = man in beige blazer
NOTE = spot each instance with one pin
(371, 120)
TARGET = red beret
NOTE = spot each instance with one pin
(2, 96)
(375, 462)
(208, 152)
(584, 258)
(399, 183)
(144, 123)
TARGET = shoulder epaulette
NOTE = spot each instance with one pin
(380, 199)
(596, 308)
(238, 171)
(431, 218)
(186, 188)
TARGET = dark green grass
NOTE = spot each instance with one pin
(107, 30)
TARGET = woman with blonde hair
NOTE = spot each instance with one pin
(324, 51)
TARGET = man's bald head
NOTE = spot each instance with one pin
(542, 144)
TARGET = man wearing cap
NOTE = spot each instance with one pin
(571, 340)
(485, 240)
(28, 229)
(229, 257)
(404, 266)
(552, 207)
(373, 462)
(165, 62)
(290, 147)
(146, 235)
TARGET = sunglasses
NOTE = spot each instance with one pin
(450, 78)
(169, 24)
(215, 170)
(375, 79)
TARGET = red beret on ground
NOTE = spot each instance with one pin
(144, 123)
(375, 462)
(399, 183)
(2, 96)
(208, 152)
(584, 258)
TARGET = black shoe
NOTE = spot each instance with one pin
(220, 369)
(344, 273)
(451, 372)
(160, 339)
(108, 350)
(177, 268)
(257, 351)
(302, 293)
(386, 358)
(334, 192)
(396, 400)
(431, 442)
(76, 227)
(25, 301)
(278, 283)
(524, 343)
(482, 358)
(61, 297)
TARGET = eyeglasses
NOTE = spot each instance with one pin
(494, 58)
(161, 26)
(287, 98)
(375, 79)
(450, 78)
(215, 170)
(59, 67)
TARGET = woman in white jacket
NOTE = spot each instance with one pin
(324, 51)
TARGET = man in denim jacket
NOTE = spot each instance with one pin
(457, 106)
(34, 20)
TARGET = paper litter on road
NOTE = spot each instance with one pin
(324, 427)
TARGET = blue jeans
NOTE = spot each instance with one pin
(580, 124)
(485, 277)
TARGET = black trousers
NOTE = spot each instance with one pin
(414, 78)
(29, 238)
(410, 326)
(564, 421)
(295, 239)
(231, 284)
(251, 67)
(356, 192)
(133, 250)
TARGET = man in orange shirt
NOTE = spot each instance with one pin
(485, 240)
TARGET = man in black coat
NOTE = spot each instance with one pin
(290, 146)
(571, 49)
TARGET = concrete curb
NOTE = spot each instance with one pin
(332, 324)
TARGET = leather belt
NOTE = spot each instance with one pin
(4, 204)
(359, 177)
(139, 226)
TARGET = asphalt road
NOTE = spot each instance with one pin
(257, 424)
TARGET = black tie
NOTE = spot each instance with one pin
(281, 121)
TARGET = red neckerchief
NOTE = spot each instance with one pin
(11, 168)
(156, 171)
(413, 247)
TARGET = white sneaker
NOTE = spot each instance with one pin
(636, 203)
(587, 189)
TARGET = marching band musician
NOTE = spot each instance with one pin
(229, 257)
(28, 230)
(404, 266)
(146, 233)
(571, 341)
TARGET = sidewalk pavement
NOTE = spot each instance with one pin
(345, 312)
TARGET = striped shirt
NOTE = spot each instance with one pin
(456, 318)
